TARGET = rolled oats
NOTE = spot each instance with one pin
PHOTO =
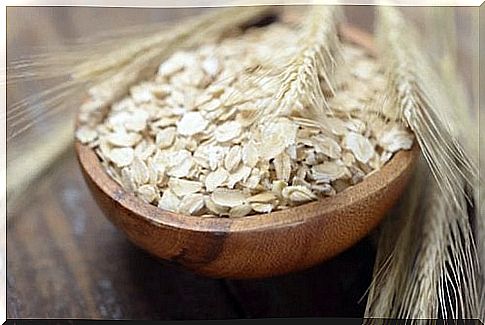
(86, 134)
(191, 123)
(186, 140)
(329, 171)
(215, 179)
(228, 198)
(227, 131)
(298, 193)
(191, 204)
(148, 193)
(233, 158)
(183, 187)
(122, 157)
(240, 210)
(360, 146)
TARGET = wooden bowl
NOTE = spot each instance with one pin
(258, 245)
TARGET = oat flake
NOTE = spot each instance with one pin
(194, 138)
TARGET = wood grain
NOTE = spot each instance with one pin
(124, 281)
(65, 260)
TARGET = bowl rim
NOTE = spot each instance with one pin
(146, 212)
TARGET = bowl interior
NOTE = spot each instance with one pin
(397, 165)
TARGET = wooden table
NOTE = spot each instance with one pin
(65, 260)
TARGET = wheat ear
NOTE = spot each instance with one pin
(442, 29)
(110, 77)
(480, 220)
(112, 73)
(397, 247)
(416, 96)
(300, 79)
(435, 251)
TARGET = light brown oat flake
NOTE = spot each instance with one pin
(227, 131)
(282, 164)
(86, 134)
(122, 157)
(298, 194)
(329, 171)
(233, 158)
(240, 210)
(169, 201)
(228, 198)
(191, 204)
(262, 207)
(360, 146)
(148, 193)
(183, 187)
(215, 179)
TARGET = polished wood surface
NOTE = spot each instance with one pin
(65, 260)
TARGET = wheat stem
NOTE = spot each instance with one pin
(300, 78)
(116, 68)
(439, 253)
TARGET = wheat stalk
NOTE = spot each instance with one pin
(443, 257)
(397, 252)
(33, 159)
(416, 276)
(109, 79)
(417, 97)
(301, 75)
(455, 86)
(480, 229)
(110, 72)
(96, 56)
(80, 52)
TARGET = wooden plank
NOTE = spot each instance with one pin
(66, 260)
(332, 289)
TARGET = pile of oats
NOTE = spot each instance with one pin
(182, 140)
